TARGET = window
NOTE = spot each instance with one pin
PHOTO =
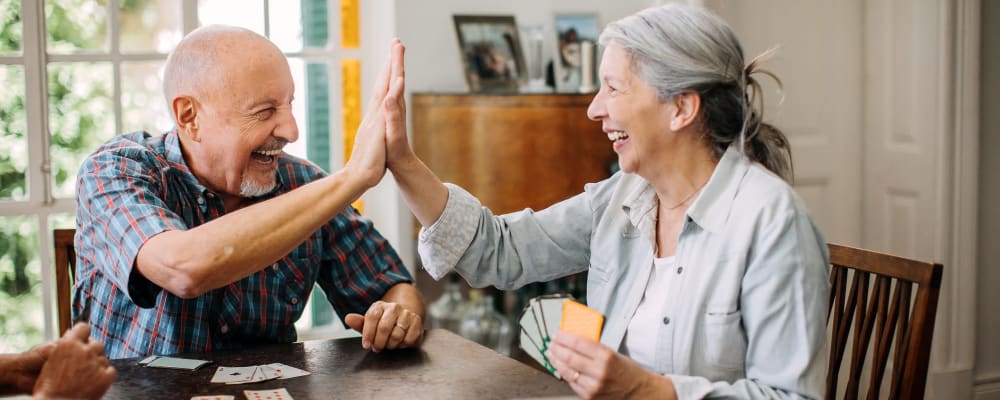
(77, 72)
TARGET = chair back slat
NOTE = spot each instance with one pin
(892, 328)
(65, 265)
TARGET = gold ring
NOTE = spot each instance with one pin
(401, 326)
(576, 376)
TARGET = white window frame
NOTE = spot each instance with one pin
(40, 201)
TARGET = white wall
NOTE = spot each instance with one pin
(988, 313)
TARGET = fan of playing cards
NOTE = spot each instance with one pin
(545, 315)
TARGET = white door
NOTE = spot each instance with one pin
(881, 107)
(820, 63)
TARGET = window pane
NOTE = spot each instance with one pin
(246, 13)
(22, 322)
(286, 24)
(298, 148)
(10, 26)
(62, 221)
(14, 157)
(80, 117)
(149, 25)
(143, 106)
(76, 25)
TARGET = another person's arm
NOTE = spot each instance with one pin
(19, 371)
(76, 368)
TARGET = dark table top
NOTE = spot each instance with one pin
(446, 366)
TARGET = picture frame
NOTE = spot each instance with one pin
(572, 30)
(491, 52)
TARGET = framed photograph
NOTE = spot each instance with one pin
(491, 52)
(573, 32)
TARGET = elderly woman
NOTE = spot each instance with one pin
(710, 272)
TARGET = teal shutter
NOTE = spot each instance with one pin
(314, 34)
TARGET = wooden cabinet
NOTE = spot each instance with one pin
(512, 151)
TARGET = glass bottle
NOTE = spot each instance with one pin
(447, 311)
(484, 325)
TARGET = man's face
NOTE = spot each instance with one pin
(245, 124)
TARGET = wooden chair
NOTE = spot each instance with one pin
(884, 318)
(65, 261)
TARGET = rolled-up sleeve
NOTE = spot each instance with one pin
(442, 244)
(120, 208)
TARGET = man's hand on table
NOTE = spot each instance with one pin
(387, 326)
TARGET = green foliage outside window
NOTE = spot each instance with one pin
(80, 109)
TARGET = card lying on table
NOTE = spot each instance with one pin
(269, 394)
(256, 373)
(173, 362)
(545, 315)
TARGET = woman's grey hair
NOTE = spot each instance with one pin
(676, 49)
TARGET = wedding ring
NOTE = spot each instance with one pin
(576, 376)
(401, 326)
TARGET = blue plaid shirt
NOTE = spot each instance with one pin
(136, 186)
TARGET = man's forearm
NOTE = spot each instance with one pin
(189, 263)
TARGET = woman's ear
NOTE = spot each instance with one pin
(185, 111)
(686, 108)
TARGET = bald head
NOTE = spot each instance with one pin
(204, 63)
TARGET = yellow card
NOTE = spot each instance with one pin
(581, 320)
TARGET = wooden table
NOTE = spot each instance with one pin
(446, 366)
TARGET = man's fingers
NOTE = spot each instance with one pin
(370, 329)
(382, 82)
(355, 321)
(396, 336)
(414, 333)
(385, 327)
(80, 331)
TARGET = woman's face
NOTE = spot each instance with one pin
(632, 116)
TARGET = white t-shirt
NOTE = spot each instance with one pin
(642, 333)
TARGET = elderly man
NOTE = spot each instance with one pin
(73, 367)
(209, 237)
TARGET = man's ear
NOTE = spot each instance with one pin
(185, 110)
(686, 108)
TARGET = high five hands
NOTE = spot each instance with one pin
(386, 110)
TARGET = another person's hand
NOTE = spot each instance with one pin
(22, 369)
(368, 157)
(75, 369)
(397, 144)
(595, 371)
(387, 326)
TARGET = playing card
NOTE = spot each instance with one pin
(551, 312)
(234, 374)
(283, 371)
(581, 320)
(214, 397)
(539, 322)
(269, 394)
(530, 327)
(532, 350)
(259, 375)
(176, 363)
